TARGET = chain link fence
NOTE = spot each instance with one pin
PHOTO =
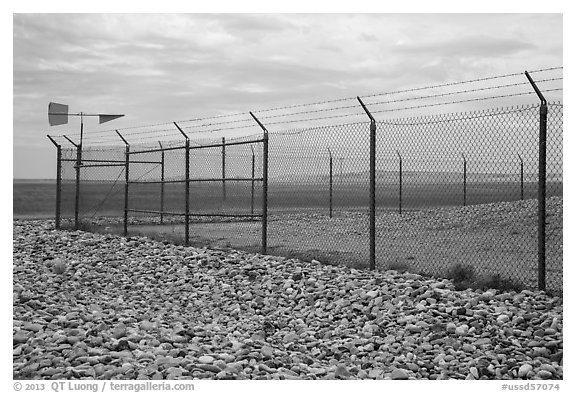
(453, 190)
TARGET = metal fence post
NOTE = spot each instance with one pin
(541, 186)
(186, 188)
(161, 184)
(372, 186)
(400, 182)
(77, 195)
(224, 168)
(252, 193)
(521, 178)
(464, 158)
(330, 198)
(127, 181)
(264, 185)
(58, 180)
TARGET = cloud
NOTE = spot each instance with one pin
(469, 46)
(163, 67)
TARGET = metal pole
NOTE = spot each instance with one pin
(330, 202)
(186, 188)
(264, 185)
(161, 184)
(372, 186)
(77, 196)
(252, 194)
(521, 178)
(126, 185)
(187, 193)
(224, 168)
(58, 180)
(541, 186)
(464, 178)
(265, 195)
(400, 183)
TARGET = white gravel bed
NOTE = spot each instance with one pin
(91, 306)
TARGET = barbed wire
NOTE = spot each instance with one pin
(461, 101)
(333, 100)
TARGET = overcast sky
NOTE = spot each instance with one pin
(160, 68)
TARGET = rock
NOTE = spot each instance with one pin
(462, 330)
(119, 331)
(451, 327)
(502, 319)
(524, 370)
(290, 337)
(205, 359)
(267, 351)
(209, 367)
(398, 374)
(483, 341)
(341, 372)
(20, 337)
(474, 372)
(544, 374)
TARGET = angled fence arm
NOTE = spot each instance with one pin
(264, 185)
(541, 184)
(372, 185)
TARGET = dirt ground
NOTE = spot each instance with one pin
(499, 238)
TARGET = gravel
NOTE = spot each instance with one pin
(91, 306)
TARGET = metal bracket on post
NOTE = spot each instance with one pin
(264, 185)
(464, 158)
(186, 188)
(126, 185)
(372, 186)
(400, 184)
(58, 180)
(541, 185)
(161, 184)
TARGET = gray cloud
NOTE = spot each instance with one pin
(163, 67)
(477, 46)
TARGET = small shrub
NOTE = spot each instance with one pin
(464, 276)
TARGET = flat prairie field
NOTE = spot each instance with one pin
(495, 238)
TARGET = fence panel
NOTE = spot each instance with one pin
(452, 189)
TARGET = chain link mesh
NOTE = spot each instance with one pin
(452, 189)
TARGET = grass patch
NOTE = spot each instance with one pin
(465, 276)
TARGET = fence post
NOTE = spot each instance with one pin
(161, 184)
(521, 178)
(224, 168)
(330, 199)
(541, 186)
(464, 158)
(372, 186)
(58, 180)
(400, 188)
(77, 167)
(186, 188)
(264, 185)
(127, 181)
(252, 194)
